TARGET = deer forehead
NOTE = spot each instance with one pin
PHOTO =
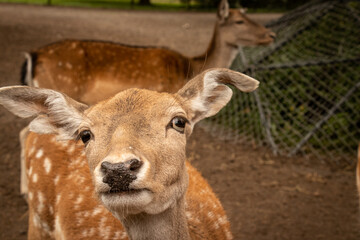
(135, 107)
(237, 15)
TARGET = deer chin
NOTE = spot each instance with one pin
(265, 42)
(132, 201)
(253, 42)
(143, 198)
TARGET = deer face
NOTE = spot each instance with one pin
(238, 30)
(138, 157)
(135, 141)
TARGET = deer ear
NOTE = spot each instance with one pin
(223, 10)
(54, 112)
(206, 94)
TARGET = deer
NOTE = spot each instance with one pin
(118, 169)
(91, 71)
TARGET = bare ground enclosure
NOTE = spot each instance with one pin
(265, 197)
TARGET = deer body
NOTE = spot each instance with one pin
(130, 173)
(90, 71)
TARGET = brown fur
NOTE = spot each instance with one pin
(90, 70)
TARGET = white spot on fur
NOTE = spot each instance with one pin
(78, 201)
(31, 195)
(63, 144)
(36, 221)
(45, 227)
(41, 200)
(39, 153)
(228, 235)
(47, 165)
(85, 233)
(80, 219)
(92, 232)
(36, 83)
(51, 210)
(88, 232)
(120, 235)
(58, 229)
(35, 178)
(222, 220)
(30, 171)
(211, 215)
(56, 179)
(97, 211)
(58, 197)
(68, 65)
(32, 150)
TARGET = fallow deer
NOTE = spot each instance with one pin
(132, 160)
(90, 71)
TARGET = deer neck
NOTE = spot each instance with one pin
(218, 54)
(169, 224)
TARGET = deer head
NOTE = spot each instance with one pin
(239, 30)
(135, 141)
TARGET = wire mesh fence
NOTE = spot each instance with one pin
(309, 98)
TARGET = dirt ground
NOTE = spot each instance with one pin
(265, 197)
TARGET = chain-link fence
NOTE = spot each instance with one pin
(309, 97)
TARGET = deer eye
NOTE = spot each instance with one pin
(239, 22)
(85, 136)
(178, 123)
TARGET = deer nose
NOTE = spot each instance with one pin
(119, 175)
